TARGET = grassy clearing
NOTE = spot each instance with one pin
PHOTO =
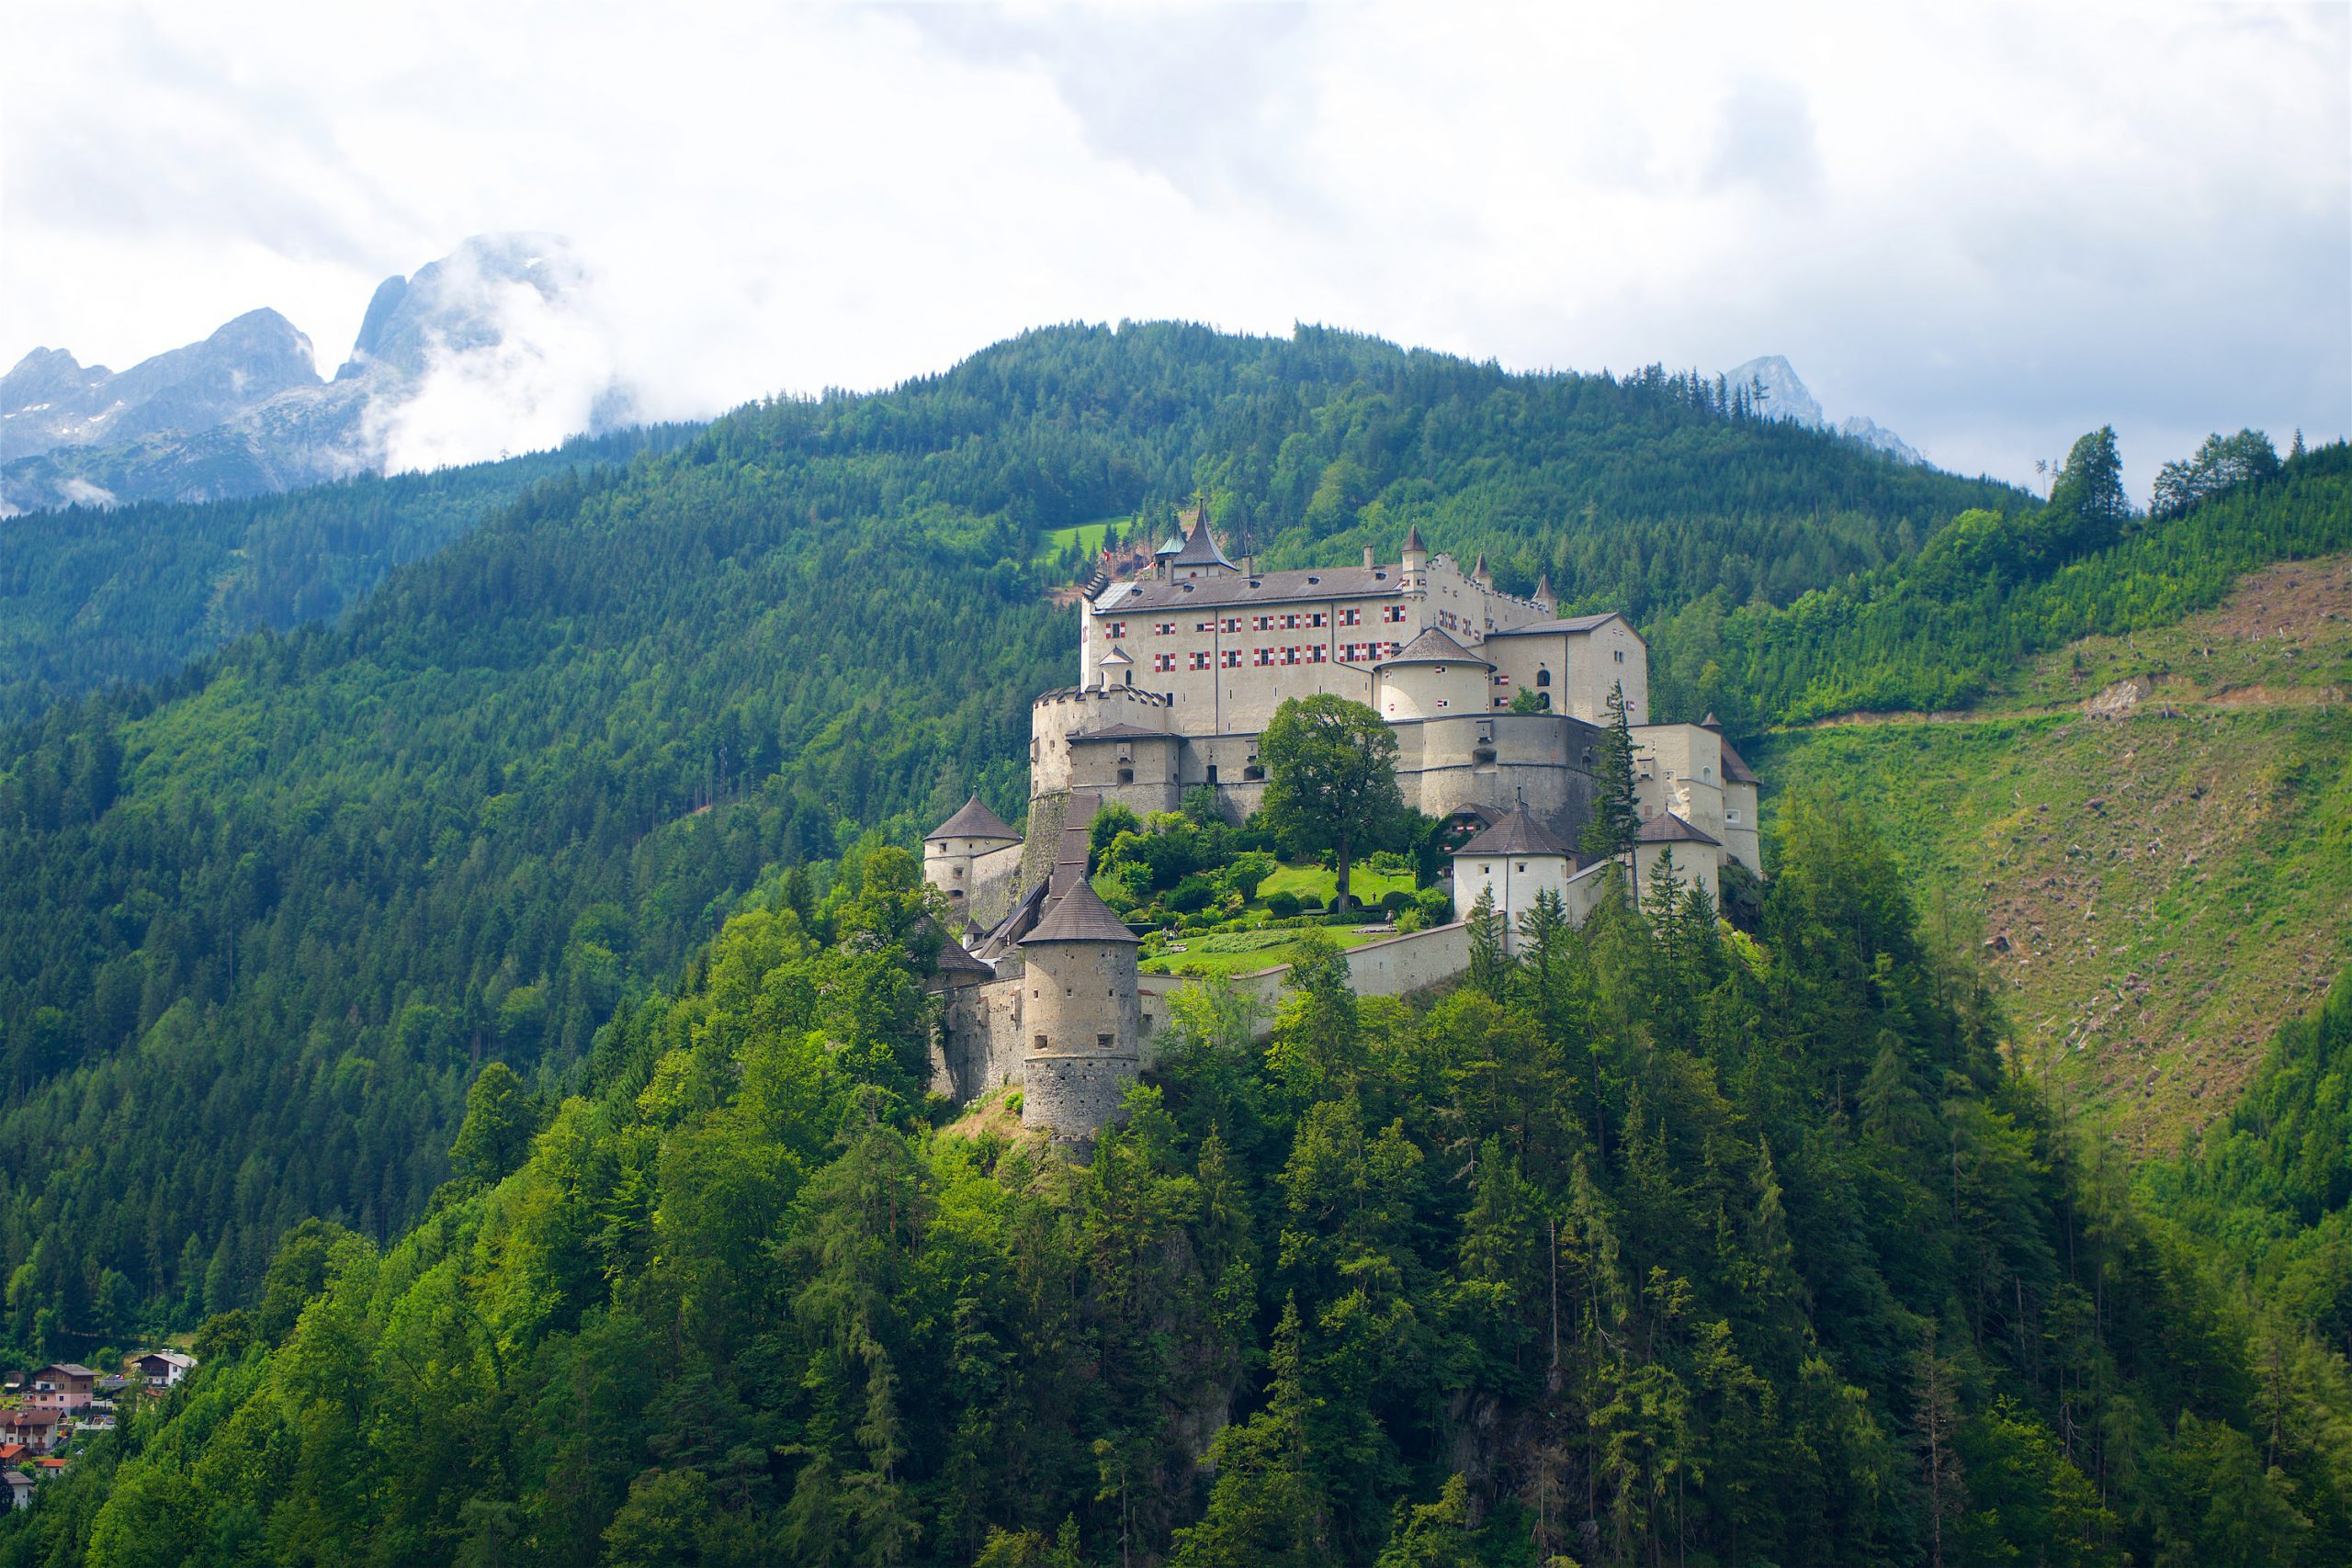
(2154, 894)
(1200, 956)
(1368, 886)
(1088, 536)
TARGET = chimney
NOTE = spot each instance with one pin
(1368, 558)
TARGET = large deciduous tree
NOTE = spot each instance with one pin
(1330, 778)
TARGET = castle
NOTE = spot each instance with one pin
(1180, 671)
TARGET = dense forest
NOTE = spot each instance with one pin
(1653, 1244)
(261, 922)
(91, 598)
(1939, 629)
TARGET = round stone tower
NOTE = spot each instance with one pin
(950, 849)
(1082, 1018)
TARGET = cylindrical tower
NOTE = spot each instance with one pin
(1082, 1018)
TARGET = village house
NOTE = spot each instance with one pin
(163, 1369)
(37, 1430)
(20, 1488)
(65, 1385)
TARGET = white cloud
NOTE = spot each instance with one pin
(1987, 229)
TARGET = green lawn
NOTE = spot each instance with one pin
(1087, 535)
(1368, 885)
(1243, 961)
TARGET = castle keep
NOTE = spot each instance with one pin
(1178, 673)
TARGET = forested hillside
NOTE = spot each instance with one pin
(1953, 625)
(261, 922)
(89, 598)
(1656, 1246)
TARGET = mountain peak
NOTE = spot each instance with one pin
(1781, 393)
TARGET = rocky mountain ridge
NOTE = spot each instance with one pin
(504, 323)
(1783, 394)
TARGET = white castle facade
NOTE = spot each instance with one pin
(1180, 671)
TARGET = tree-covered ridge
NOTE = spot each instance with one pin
(91, 598)
(261, 922)
(1943, 630)
(1655, 1245)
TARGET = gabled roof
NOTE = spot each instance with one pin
(1080, 915)
(1736, 768)
(1517, 834)
(173, 1356)
(70, 1368)
(1571, 624)
(974, 821)
(1120, 732)
(1117, 656)
(1671, 829)
(1308, 584)
(956, 964)
(1200, 546)
(1434, 647)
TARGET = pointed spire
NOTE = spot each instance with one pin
(1543, 594)
(1413, 539)
(1480, 574)
(1711, 721)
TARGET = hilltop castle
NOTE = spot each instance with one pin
(1180, 671)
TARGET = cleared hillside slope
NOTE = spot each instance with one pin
(2152, 832)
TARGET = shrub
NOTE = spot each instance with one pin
(1388, 863)
(1310, 901)
(1282, 906)
(1435, 905)
(1395, 902)
(1195, 892)
(1247, 871)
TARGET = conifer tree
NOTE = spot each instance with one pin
(1490, 969)
(1616, 815)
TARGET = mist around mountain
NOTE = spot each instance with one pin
(496, 347)
(1779, 393)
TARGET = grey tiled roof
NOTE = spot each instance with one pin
(1200, 547)
(1434, 647)
(1264, 587)
(974, 821)
(1122, 732)
(1671, 829)
(1080, 915)
(1517, 834)
(1566, 623)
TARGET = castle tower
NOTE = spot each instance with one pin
(1416, 559)
(953, 852)
(1082, 1017)
(1545, 600)
(1481, 575)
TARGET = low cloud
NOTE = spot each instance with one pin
(1987, 229)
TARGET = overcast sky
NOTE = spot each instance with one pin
(1988, 229)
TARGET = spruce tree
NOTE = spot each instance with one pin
(1616, 818)
(1489, 968)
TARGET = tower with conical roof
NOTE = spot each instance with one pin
(1080, 1019)
(972, 848)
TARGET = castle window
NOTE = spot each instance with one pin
(1732, 814)
(1261, 656)
(1621, 656)
(1118, 628)
(1202, 626)
(1315, 654)
(1126, 775)
(1163, 662)
(1213, 779)
(1442, 703)
(1350, 616)
(1262, 623)
(1231, 659)
(1290, 655)
(1290, 623)
(1200, 660)
(1543, 677)
(1319, 619)
(1037, 1042)
(1392, 612)
(1164, 628)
